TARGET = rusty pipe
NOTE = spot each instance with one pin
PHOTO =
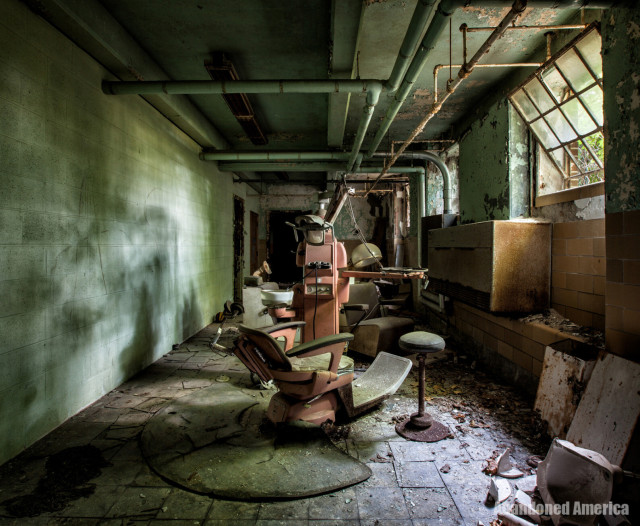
(516, 9)
(562, 27)
(511, 65)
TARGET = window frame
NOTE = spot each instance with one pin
(566, 193)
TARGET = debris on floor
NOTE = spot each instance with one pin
(552, 318)
(499, 491)
(440, 483)
(505, 469)
(66, 478)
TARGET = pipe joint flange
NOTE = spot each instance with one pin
(463, 73)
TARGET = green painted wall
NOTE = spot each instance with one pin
(621, 55)
(115, 240)
(494, 167)
(484, 167)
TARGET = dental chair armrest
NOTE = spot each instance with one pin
(280, 326)
(319, 343)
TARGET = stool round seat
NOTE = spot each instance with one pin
(421, 426)
(421, 342)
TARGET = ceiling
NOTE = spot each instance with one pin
(320, 39)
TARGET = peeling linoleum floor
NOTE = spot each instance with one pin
(413, 484)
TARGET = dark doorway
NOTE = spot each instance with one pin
(253, 240)
(281, 247)
(238, 247)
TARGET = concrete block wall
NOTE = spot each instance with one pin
(579, 271)
(115, 240)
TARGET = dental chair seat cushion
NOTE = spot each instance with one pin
(321, 363)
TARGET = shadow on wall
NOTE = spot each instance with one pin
(139, 352)
(191, 315)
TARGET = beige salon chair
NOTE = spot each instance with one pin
(365, 318)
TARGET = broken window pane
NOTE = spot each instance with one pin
(556, 84)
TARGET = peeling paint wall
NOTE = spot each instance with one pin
(621, 55)
(494, 167)
(364, 214)
(519, 187)
(305, 198)
(588, 208)
(484, 167)
(435, 182)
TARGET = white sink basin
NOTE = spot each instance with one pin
(271, 298)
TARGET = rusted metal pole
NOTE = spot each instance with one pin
(516, 10)
(512, 65)
(548, 28)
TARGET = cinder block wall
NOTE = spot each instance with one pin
(579, 271)
(115, 240)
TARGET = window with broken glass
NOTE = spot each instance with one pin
(561, 104)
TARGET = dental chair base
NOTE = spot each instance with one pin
(315, 379)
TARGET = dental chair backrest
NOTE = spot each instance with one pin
(261, 353)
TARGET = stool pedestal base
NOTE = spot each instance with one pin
(433, 433)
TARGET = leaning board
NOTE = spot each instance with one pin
(609, 409)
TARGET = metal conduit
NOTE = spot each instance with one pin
(515, 11)
(540, 28)
(308, 167)
(214, 87)
(231, 155)
(372, 88)
(437, 25)
(421, 15)
(373, 95)
(512, 65)
(447, 180)
(419, 19)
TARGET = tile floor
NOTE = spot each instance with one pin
(413, 484)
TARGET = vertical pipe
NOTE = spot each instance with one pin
(422, 190)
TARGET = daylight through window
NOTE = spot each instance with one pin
(561, 104)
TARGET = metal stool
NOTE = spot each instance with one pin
(421, 427)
